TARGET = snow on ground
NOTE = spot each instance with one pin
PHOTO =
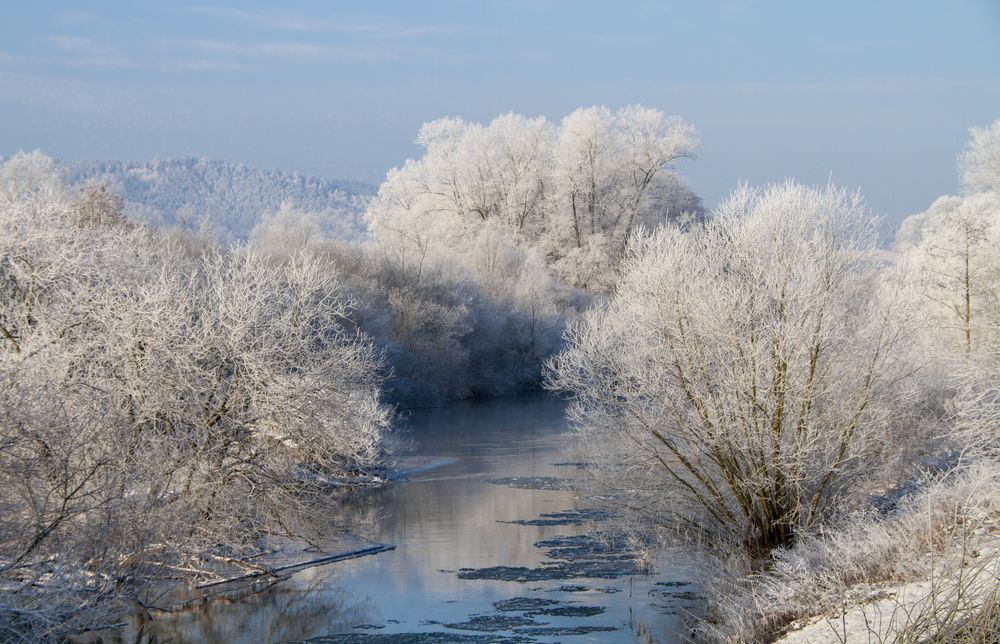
(894, 609)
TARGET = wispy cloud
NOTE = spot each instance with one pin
(305, 52)
(327, 40)
(735, 9)
(205, 65)
(64, 94)
(407, 32)
(87, 52)
(860, 87)
(292, 22)
(265, 50)
(281, 21)
(883, 86)
(81, 52)
(77, 43)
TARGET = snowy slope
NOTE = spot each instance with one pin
(231, 198)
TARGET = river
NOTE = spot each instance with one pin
(491, 545)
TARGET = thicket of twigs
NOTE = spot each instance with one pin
(165, 405)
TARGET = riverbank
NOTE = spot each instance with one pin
(963, 606)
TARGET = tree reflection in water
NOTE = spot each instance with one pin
(305, 607)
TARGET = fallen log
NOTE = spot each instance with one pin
(341, 556)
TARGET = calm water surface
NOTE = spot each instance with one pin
(445, 516)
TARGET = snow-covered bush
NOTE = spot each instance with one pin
(747, 376)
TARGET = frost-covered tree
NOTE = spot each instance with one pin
(446, 331)
(50, 254)
(161, 404)
(471, 176)
(950, 252)
(98, 206)
(608, 165)
(745, 374)
(980, 163)
(573, 192)
(950, 256)
(286, 232)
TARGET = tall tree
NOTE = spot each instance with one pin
(950, 255)
(574, 192)
(980, 163)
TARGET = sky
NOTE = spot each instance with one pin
(871, 95)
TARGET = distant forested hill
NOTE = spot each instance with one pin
(230, 198)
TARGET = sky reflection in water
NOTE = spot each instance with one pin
(444, 517)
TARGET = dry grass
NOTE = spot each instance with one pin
(958, 605)
(940, 533)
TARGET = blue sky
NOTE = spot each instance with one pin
(876, 95)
